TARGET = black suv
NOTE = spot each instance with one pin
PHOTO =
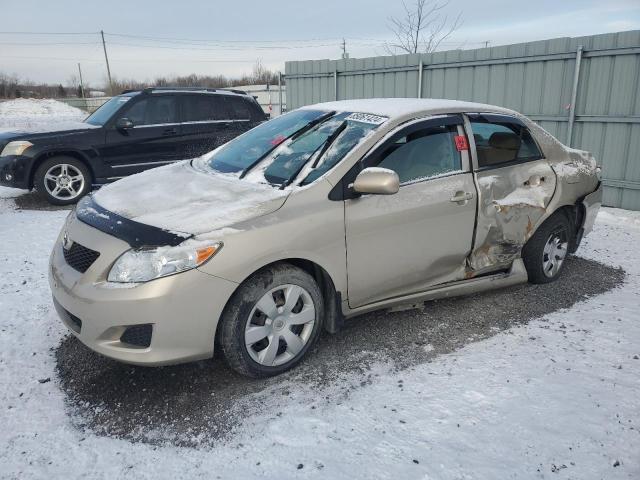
(130, 133)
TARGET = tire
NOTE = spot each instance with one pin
(546, 252)
(257, 340)
(62, 180)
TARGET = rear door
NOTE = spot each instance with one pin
(207, 122)
(152, 141)
(419, 237)
(515, 185)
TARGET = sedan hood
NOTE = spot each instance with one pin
(179, 198)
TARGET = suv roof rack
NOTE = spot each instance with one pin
(234, 90)
(187, 89)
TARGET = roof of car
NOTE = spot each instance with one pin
(400, 107)
(199, 90)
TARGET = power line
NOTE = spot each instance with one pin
(117, 60)
(280, 47)
(191, 40)
(49, 33)
(25, 44)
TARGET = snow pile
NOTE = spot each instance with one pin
(39, 115)
(557, 398)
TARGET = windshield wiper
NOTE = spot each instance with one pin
(293, 136)
(317, 153)
(328, 142)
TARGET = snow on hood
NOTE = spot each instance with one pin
(179, 198)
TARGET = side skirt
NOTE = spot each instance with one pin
(517, 274)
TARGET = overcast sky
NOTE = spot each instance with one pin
(209, 37)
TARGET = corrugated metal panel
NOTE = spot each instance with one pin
(535, 78)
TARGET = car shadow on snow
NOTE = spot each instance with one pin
(204, 402)
(33, 201)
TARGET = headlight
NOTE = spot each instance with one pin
(15, 148)
(135, 266)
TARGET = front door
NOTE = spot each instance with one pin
(419, 237)
(153, 140)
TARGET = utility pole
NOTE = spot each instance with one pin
(344, 49)
(106, 58)
(81, 82)
(280, 93)
(486, 44)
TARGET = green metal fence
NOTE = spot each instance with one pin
(583, 90)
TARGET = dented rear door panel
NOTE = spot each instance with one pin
(511, 201)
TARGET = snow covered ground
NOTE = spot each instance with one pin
(556, 398)
(36, 114)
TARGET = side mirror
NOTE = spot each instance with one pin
(378, 181)
(124, 124)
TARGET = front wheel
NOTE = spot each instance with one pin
(62, 180)
(271, 321)
(545, 253)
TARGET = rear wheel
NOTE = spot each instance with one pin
(271, 321)
(62, 180)
(545, 253)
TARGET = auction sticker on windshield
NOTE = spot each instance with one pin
(367, 118)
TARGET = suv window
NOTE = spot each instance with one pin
(103, 114)
(154, 110)
(239, 108)
(423, 153)
(202, 108)
(498, 143)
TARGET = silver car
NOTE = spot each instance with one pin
(321, 214)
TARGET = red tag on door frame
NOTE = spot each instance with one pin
(461, 143)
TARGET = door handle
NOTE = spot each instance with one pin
(169, 131)
(461, 197)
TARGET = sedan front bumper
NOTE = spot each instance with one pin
(182, 309)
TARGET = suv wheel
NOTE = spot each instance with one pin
(545, 253)
(271, 321)
(62, 180)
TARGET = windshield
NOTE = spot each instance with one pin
(290, 148)
(106, 111)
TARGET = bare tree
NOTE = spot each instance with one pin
(422, 28)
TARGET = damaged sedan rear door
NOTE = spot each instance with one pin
(515, 185)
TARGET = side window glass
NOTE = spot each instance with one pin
(153, 111)
(202, 108)
(137, 112)
(424, 153)
(498, 143)
(161, 110)
(239, 108)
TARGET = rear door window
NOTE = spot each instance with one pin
(156, 110)
(239, 108)
(203, 108)
(501, 141)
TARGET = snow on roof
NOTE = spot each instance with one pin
(400, 107)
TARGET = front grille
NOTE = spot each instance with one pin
(80, 257)
(138, 335)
